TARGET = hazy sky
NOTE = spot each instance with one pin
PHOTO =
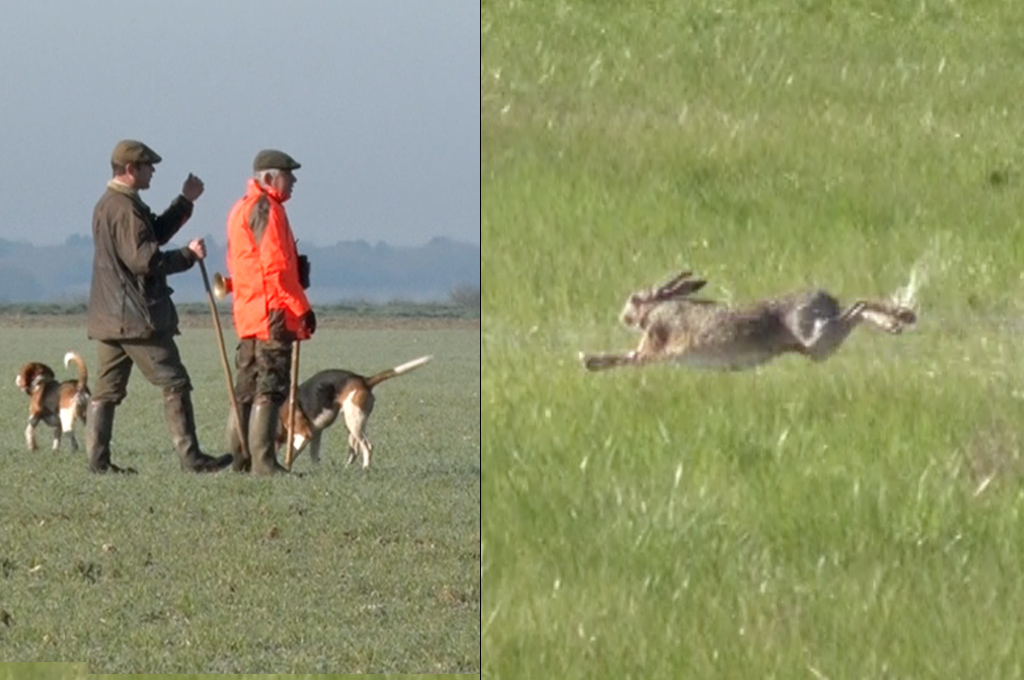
(378, 99)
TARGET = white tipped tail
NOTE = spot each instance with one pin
(409, 365)
(396, 371)
(83, 374)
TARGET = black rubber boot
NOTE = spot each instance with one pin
(242, 462)
(263, 424)
(99, 426)
(182, 424)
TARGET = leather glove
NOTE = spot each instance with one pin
(278, 330)
(304, 271)
(309, 321)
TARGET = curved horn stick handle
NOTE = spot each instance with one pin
(221, 286)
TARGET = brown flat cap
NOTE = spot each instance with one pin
(272, 159)
(132, 151)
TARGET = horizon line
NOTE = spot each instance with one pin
(213, 239)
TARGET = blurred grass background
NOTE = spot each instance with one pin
(858, 518)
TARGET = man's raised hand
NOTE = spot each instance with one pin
(192, 188)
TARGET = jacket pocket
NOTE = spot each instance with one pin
(136, 320)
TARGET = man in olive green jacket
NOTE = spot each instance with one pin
(131, 313)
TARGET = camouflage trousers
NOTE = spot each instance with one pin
(263, 367)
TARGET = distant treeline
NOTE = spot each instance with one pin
(452, 309)
(440, 271)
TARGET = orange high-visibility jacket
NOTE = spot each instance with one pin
(263, 265)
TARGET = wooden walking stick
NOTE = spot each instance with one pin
(293, 397)
(224, 362)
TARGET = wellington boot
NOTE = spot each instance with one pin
(242, 461)
(263, 423)
(99, 426)
(182, 424)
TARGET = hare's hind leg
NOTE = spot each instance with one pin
(827, 333)
(886, 317)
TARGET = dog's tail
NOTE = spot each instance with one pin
(83, 374)
(396, 371)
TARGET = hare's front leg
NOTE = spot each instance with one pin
(600, 362)
(651, 348)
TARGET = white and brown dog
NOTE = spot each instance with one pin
(58, 404)
(326, 394)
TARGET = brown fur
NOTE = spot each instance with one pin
(705, 333)
(329, 393)
(58, 404)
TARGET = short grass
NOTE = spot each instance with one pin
(860, 518)
(43, 671)
(73, 671)
(334, 569)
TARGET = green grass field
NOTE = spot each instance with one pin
(855, 519)
(70, 671)
(333, 569)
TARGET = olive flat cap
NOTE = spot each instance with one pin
(132, 151)
(272, 159)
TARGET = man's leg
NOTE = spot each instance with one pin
(245, 392)
(159, 360)
(273, 363)
(111, 385)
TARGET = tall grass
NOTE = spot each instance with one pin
(859, 518)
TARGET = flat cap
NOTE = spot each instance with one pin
(272, 159)
(132, 151)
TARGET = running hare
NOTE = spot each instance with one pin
(705, 333)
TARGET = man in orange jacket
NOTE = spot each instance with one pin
(270, 308)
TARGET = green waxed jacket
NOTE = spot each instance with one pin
(129, 298)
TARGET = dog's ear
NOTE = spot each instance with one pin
(36, 371)
(282, 423)
(302, 425)
(27, 375)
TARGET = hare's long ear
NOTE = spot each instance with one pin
(692, 286)
(680, 288)
(674, 281)
(667, 289)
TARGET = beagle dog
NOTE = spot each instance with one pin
(58, 404)
(326, 394)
